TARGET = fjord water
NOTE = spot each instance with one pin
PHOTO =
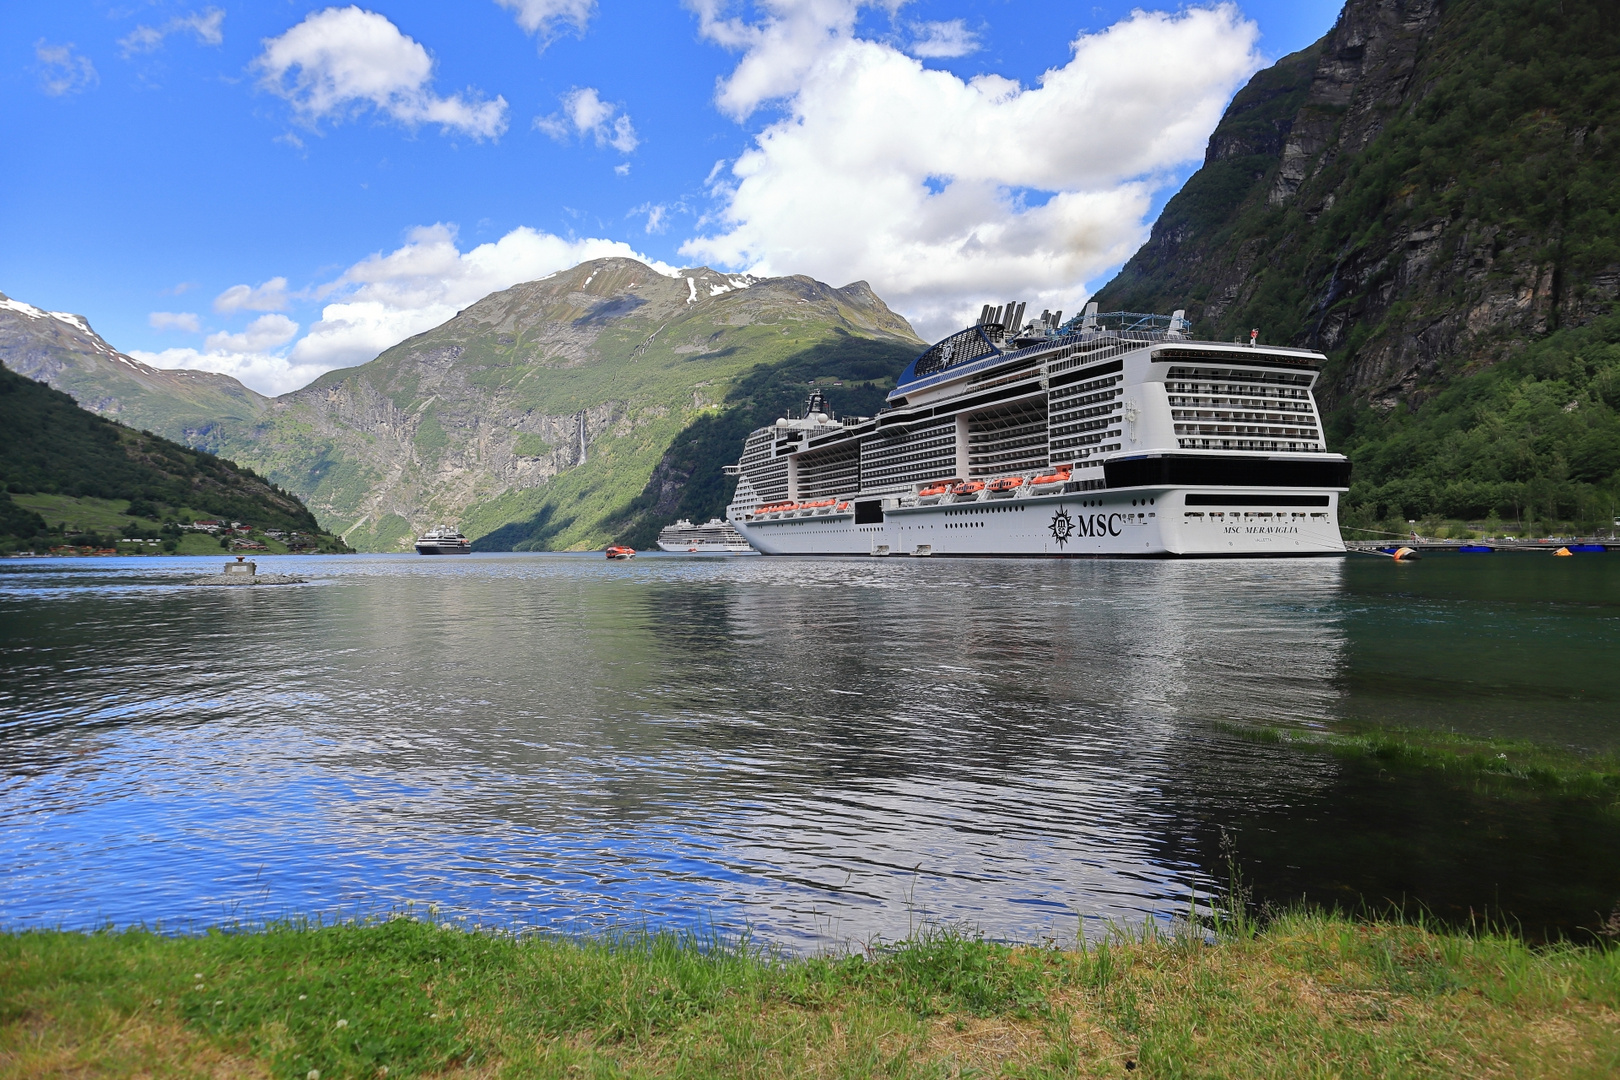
(818, 751)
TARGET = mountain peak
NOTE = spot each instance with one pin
(61, 349)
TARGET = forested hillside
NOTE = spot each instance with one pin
(54, 447)
(1429, 196)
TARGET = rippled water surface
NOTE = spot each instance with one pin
(823, 751)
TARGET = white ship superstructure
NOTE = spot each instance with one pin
(443, 541)
(1111, 435)
(714, 537)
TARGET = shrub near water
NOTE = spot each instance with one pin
(1310, 995)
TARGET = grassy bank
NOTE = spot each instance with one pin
(1309, 995)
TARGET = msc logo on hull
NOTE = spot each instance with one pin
(1065, 528)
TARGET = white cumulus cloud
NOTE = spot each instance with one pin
(340, 61)
(175, 320)
(206, 26)
(262, 334)
(943, 39)
(269, 296)
(268, 373)
(585, 113)
(62, 70)
(946, 193)
(542, 17)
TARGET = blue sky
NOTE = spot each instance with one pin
(275, 189)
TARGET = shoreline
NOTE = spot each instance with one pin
(1308, 993)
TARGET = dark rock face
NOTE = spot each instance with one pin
(1417, 194)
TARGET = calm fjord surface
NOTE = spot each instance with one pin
(823, 751)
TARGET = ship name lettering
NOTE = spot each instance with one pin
(1095, 525)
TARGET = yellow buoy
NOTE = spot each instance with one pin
(1563, 551)
(1406, 554)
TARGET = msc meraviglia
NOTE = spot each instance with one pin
(1111, 435)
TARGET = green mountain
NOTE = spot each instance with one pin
(855, 374)
(55, 448)
(596, 404)
(539, 416)
(61, 349)
(1428, 195)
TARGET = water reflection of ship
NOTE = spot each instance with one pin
(1065, 710)
(713, 537)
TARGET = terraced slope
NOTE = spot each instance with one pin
(549, 404)
(60, 349)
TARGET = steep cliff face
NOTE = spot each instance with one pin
(60, 349)
(1420, 194)
(549, 404)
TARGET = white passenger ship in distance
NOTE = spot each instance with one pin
(443, 541)
(1111, 435)
(715, 537)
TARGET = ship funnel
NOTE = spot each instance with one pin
(817, 404)
(1090, 321)
(1178, 322)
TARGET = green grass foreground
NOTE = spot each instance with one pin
(1309, 995)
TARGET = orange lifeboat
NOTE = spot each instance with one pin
(843, 507)
(1051, 479)
(934, 491)
(619, 551)
(967, 490)
(1006, 485)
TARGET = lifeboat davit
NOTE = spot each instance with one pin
(967, 491)
(619, 551)
(932, 492)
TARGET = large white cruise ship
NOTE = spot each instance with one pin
(713, 537)
(1111, 435)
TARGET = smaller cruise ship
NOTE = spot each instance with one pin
(713, 537)
(442, 541)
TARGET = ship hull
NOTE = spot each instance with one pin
(700, 548)
(1158, 522)
(443, 549)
